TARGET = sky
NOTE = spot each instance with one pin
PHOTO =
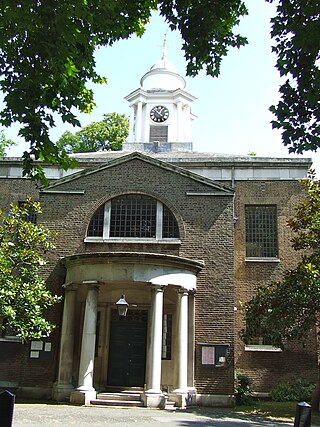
(232, 110)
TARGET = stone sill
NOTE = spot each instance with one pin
(265, 348)
(134, 240)
(11, 339)
(276, 260)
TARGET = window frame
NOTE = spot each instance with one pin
(7, 334)
(266, 258)
(107, 224)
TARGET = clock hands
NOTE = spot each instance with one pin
(159, 113)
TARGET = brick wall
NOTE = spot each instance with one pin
(267, 369)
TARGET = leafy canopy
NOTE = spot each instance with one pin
(23, 293)
(289, 309)
(47, 56)
(107, 134)
(47, 59)
(4, 144)
(296, 30)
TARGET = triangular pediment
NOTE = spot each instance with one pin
(212, 187)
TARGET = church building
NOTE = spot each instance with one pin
(157, 248)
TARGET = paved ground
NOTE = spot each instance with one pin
(50, 415)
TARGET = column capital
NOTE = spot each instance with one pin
(183, 291)
(70, 286)
(158, 288)
(92, 284)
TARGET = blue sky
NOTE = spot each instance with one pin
(232, 110)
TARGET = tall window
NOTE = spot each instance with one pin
(166, 337)
(133, 216)
(261, 231)
(31, 216)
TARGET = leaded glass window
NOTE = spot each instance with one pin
(133, 216)
(261, 231)
(96, 224)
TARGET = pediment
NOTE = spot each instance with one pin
(210, 187)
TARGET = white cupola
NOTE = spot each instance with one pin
(161, 111)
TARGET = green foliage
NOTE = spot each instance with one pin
(47, 56)
(47, 60)
(242, 388)
(296, 30)
(108, 134)
(23, 292)
(4, 144)
(289, 309)
(293, 391)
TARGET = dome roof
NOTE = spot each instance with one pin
(164, 64)
(163, 76)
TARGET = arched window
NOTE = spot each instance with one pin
(133, 216)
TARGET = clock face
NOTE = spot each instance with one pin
(159, 114)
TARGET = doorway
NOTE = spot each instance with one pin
(127, 349)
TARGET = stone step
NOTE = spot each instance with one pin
(119, 396)
(170, 406)
(112, 402)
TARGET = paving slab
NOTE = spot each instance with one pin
(55, 415)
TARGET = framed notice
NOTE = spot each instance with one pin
(214, 355)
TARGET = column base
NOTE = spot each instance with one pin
(82, 397)
(61, 392)
(182, 398)
(153, 400)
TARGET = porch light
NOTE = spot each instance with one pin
(122, 306)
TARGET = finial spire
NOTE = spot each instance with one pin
(165, 47)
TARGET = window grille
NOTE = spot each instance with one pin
(167, 336)
(158, 133)
(133, 216)
(31, 216)
(96, 224)
(169, 224)
(261, 232)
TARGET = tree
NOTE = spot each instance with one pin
(23, 293)
(108, 134)
(4, 144)
(290, 309)
(296, 30)
(47, 58)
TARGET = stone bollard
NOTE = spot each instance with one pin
(303, 415)
(6, 408)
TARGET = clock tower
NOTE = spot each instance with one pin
(161, 115)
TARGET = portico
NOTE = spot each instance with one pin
(153, 284)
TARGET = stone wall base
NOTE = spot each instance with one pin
(215, 400)
(36, 393)
(61, 393)
(82, 397)
(151, 400)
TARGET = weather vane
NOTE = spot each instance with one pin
(164, 46)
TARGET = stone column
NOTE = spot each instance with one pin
(153, 396)
(63, 386)
(191, 342)
(85, 391)
(180, 124)
(138, 127)
(180, 393)
(182, 341)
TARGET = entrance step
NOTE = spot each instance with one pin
(127, 399)
(170, 406)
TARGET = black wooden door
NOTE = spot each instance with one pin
(127, 354)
